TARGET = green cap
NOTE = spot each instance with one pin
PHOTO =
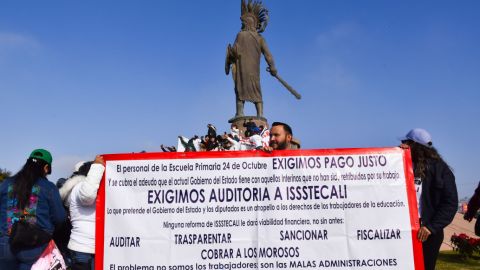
(43, 155)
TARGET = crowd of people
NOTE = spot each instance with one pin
(33, 211)
(254, 137)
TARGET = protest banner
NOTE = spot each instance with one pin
(308, 209)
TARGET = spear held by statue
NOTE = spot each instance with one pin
(232, 56)
(284, 83)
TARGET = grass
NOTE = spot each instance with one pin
(450, 260)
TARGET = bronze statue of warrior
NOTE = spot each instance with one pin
(243, 58)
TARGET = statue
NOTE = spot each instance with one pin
(243, 58)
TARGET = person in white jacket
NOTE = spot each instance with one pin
(79, 194)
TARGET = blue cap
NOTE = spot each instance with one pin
(420, 136)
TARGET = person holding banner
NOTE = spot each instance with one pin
(80, 193)
(30, 210)
(437, 196)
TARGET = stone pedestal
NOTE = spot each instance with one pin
(295, 144)
(240, 121)
(259, 121)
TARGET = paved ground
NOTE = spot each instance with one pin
(458, 225)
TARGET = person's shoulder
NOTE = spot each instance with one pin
(76, 183)
(45, 183)
(76, 178)
(70, 184)
(435, 164)
(5, 183)
(441, 165)
(440, 171)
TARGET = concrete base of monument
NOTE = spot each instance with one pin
(240, 122)
(295, 143)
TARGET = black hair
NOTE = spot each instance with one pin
(26, 178)
(60, 182)
(420, 156)
(286, 127)
(85, 168)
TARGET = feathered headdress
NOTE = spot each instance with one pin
(256, 11)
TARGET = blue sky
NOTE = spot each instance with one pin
(86, 77)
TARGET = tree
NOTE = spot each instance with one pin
(4, 174)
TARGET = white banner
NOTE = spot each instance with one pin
(315, 209)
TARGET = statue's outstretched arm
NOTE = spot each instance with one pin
(268, 57)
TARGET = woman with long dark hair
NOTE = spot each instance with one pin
(436, 193)
(29, 197)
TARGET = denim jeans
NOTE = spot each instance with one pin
(82, 261)
(22, 260)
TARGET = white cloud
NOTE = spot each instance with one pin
(10, 40)
(339, 34)
(15, 45)
(335, 76)
(332, 71)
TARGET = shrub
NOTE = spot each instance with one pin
(465, 245)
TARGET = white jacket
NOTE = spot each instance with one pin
(80, 195)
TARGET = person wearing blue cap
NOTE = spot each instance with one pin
(30, 209)
(437, 196)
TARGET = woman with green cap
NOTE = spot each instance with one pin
(28, 198)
